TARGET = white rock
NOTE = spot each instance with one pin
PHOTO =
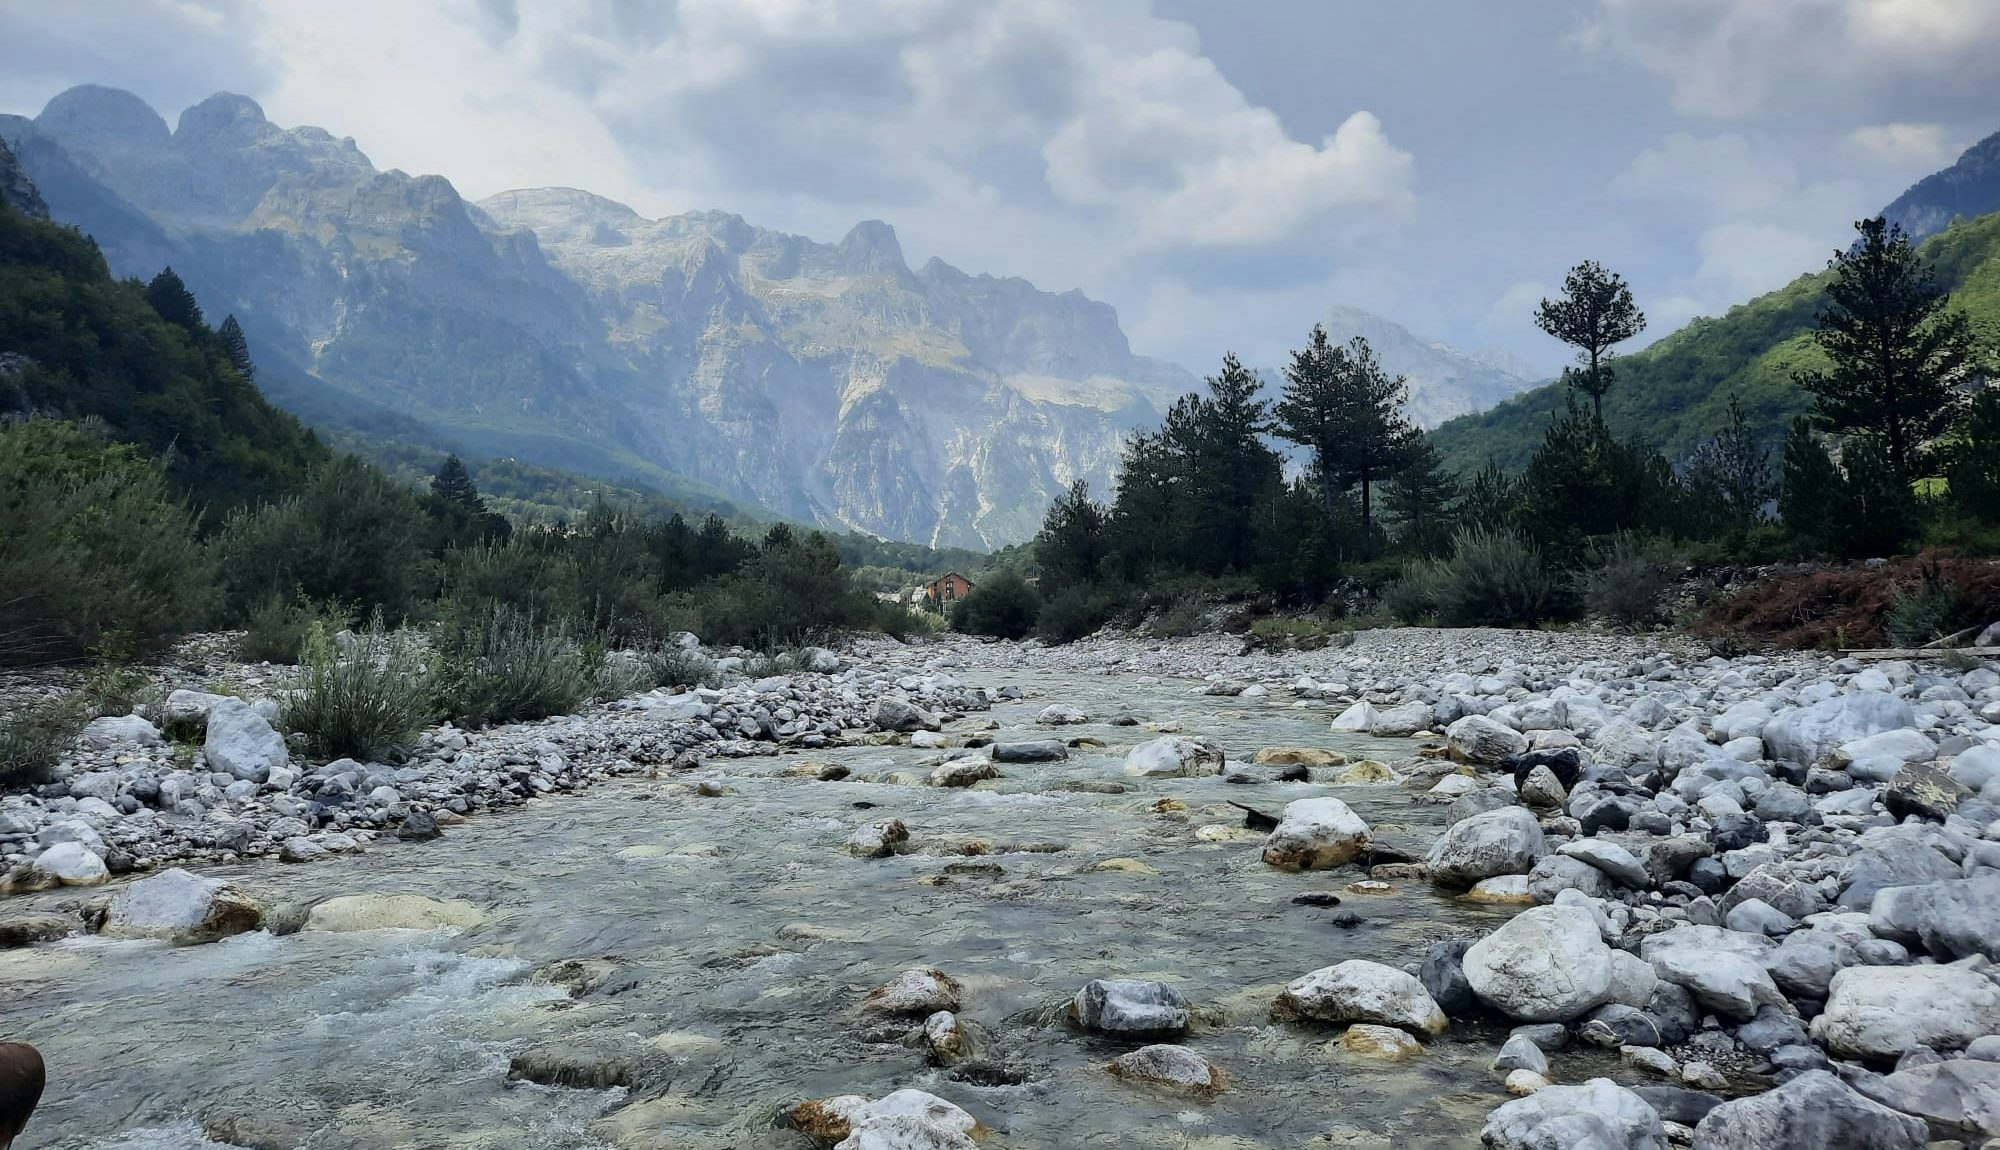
(241, 742)
(1361, 991)
(1356, 718)
(1724, 969)
(1507, 840)
(1478, 739)
(1881, 1012)
(109, 731)
(1316, 834)
(1546, 964)
(72, 864)
(1058, 715)
(177, 906)
(1598, 1115)
(1810, 734)
(1174, 756)
(1400, 721)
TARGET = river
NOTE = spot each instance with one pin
(743, 937)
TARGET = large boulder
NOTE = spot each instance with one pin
(1175, 1069)
(1598, 1115)
(893, 714)
(1357, 718)
(902, 1120)
(1173, 757)
(1315, 834)
(1401, 720)
(241, 742)
(1924, 790)
(1503, 841)
(1809, 735)
(72, 864)
(1032, 751)
(1546, 964)
(1880, 1013)
(108, 731)
(1130, 1007)
(1951, 919)
(1361, 991)
(1814, 1111)
(1478, 739)
(1957, 1098)
(1723, 969)
(920, 990)
(182, 908)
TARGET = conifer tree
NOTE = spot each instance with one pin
(175, 303)
(1341, 405)
(1898, 353)
(1594, 314)
(236, 347)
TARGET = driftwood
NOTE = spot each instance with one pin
(1884, 654)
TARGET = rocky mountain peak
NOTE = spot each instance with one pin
(1969, 188)
(223, 113)
(871, 247)
(105, 122)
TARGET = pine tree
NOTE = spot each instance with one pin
(1229, 470)
(1735, 468)
(454, 482)
(1072, 543)
(1420, 497)
(175, 303)
(1340, 404)
(236, 347)
(1810, 491)
(1898, 353)
(1973, 462)
(1595, 314)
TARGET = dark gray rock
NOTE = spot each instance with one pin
(1443, 975)
(1814, 1111)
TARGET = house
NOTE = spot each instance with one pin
(946, 588)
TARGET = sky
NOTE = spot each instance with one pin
(1223, 172)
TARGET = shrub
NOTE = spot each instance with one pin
(502, 666)
(525, 572)
(620, 674)
(1848, 607)
(1630, 581)
(277, 628)
(1298, 633)
(1493, 578)
(95, 555)
(365, 697)
(679, 667)
(1002, 607)
(1182, 618)
(114, 688)
(1920, 613)
(1075, 613)
(350, 534)
(34, 738)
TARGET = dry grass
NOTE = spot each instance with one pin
(1847, 607)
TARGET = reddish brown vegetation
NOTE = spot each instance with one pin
(1846, 606)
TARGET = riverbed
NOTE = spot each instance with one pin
(741, 937)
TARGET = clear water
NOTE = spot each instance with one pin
(745, 944)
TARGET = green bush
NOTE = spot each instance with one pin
(1630, 581)
(1492, 578)
(1299, 633)
(1921, 613)
(95, 555)
(114, 688)
(34, 738)
(1002, 607)
(1074, 613)
(679, 668)
(503, 666)
(366, 696)
(1182, 618)
(526, 572)
(351, 534)
(277, 628)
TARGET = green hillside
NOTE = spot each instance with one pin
(1675, 394)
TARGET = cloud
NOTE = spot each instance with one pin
(1816, 58)
(1724, 172)
(1900, 145)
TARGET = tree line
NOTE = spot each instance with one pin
(1902, 446)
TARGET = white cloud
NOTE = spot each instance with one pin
(1744, 58)
(1900, 145)
(1725, 172)
(1742, 260)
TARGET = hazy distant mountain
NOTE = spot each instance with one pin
(1444, 382)
(1970, 187)
(828, 382)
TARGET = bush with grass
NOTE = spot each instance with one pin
(277, 628)
(111, 687)
(1182, 618)
(1492, 578)
(502, 666)
(679, 668)
(1298, 633)
(350, 534)
(1921, 612)
(34, 738)
(1630, 582)
(1003, 606)
(366, 695)
(95, 554)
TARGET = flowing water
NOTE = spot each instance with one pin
(744, 936)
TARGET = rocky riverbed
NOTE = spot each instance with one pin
(1540, 889)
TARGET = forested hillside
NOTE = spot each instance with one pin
(1676, 393)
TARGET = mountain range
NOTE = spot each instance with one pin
(695, 353)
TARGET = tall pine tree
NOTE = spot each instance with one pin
(1594, 314)
(1341, 405)
(236, 347)
(175, 303)
(1898, 353)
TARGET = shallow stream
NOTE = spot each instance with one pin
(744, 936)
